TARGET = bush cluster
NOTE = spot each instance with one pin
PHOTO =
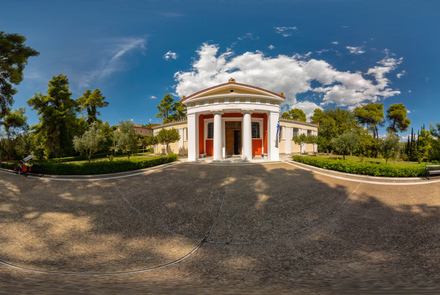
(101, 167)
(9, 165)
(363, 168)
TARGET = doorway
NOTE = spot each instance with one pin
(233, 138)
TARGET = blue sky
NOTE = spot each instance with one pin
(319, 53)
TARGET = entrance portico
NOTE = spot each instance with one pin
(233, 119)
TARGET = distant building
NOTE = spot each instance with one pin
(143, 130)
(236, 119)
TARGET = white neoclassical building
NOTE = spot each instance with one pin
(236, 119)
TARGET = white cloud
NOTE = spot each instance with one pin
(409, 91)
(291, 75)
(248, 36)
(271, 47)
(355, 50)
(319, 52)
(335, 42)
(169, 55)
(307, 107)
(112, 59)
(408, 111)
(399, 75)
(153, 97)
(285, 31)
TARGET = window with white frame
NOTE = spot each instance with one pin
(255, 130)
(295, 132)
(210, 134)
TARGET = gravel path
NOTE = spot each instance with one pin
(280, 229)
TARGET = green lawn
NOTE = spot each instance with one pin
(371, 160)
(117, 158)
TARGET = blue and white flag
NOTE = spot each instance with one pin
(277, 138)
(278, 127)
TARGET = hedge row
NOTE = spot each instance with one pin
(9, 165)
(101, 167)
(363, 168)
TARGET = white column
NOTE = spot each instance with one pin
(315, 145)
(247, 136)
(192, 137)
(181, 141)
(303, 145)
(273, 153)
(288, 137)
(217, 136)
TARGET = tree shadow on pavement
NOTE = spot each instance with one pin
(279, 228)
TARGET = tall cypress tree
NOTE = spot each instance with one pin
(411, 147)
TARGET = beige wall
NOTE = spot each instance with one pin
(302, 127)
(282, 146)
(309, 148)
(175, 147)
(295, 148)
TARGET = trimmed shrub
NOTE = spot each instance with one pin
(101, 167)
(9, 165)
(363, 168)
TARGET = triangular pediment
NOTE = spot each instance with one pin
(233, 90)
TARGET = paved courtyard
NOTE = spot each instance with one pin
(219, 228)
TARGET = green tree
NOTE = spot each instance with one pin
(167, 136)
(345, 143)
(367, 144)
(108, 132)
(285, 115)
(58, 121)
(15, 126)
(435, 129)
(297, 114)
(90, 102)
(396, 115)
(179, 112)
(150, 140)
(14, 55)
(371, 115)
(90, 142)
(303, 139)
(332, 123)
(424, 141)
(435, 132)
(169, 110)
(126, 139)
(389, 147)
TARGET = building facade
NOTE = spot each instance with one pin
(139, 129)
(236, 119)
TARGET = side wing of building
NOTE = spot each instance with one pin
(180, 147)
(290, 128)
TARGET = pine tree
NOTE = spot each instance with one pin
(57, 111)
